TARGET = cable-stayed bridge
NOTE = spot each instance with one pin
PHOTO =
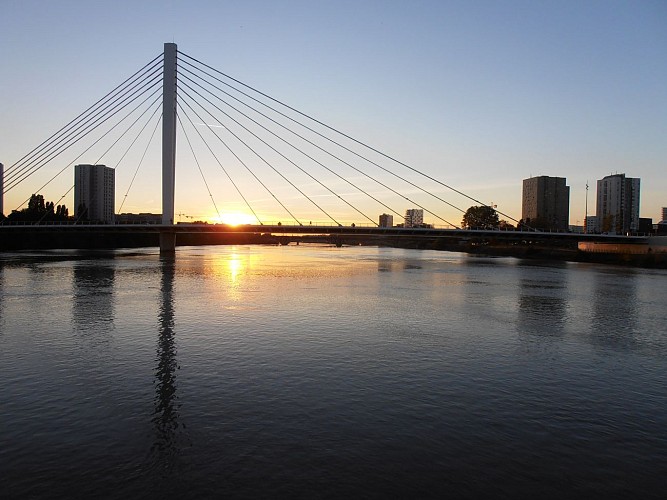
(240, 151)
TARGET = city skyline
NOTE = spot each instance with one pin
(472, 94)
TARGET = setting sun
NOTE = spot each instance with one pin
(235, 219)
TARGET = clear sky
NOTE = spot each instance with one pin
(480, 94)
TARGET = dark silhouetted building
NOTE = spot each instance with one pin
(546, 203)
(142, 218)
(645, 225)
(94, 193)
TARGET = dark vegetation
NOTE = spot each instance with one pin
(39, 210)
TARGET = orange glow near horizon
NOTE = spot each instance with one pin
(234, 218)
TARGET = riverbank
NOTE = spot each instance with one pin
(563, 252)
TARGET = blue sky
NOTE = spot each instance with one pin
(480, 94)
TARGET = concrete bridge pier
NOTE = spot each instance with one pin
(167, 242)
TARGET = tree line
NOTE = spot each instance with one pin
(39, 210)
(483, 217)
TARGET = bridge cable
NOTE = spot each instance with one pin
(87, 111)
(80, 155)
(73, 129)
(89, 148)
(292, 145)
(318, 147)
(225, 170)
(100, 111)
(289, 144)
(238, 158)
(276, 151)
(82, 117)
(121, 159)
(330, 140)
(36, 168)
(141, 161)
(57, 202)
(127, 130)
(26, 170)
(88, 129)
(199, 166)
(324, 125)
(262, 159)
(342, 134)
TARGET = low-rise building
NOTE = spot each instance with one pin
(143, 218)
(414, 217)
(386, 220)
(645, 225)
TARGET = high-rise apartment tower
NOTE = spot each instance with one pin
(546, 203)
(94, 193)
(618, 204)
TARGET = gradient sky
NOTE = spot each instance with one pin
(480, 94)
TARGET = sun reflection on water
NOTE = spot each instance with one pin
(234, 273)
(229, 272)
(236, 267)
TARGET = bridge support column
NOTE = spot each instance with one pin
(167, 242)
(168, 133)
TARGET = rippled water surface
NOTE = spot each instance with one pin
(320, 372)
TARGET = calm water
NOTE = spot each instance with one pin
(317, 372)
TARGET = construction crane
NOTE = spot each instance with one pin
(181, 214)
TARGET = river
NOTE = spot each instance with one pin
(321, 372)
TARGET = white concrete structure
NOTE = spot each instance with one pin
(94, 193)
(2, 188)
(169, 76)
(168, 133)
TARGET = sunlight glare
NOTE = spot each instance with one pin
(234, 219)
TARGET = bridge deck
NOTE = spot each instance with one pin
(14, 231)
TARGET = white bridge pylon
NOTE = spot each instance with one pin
(168, 239)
